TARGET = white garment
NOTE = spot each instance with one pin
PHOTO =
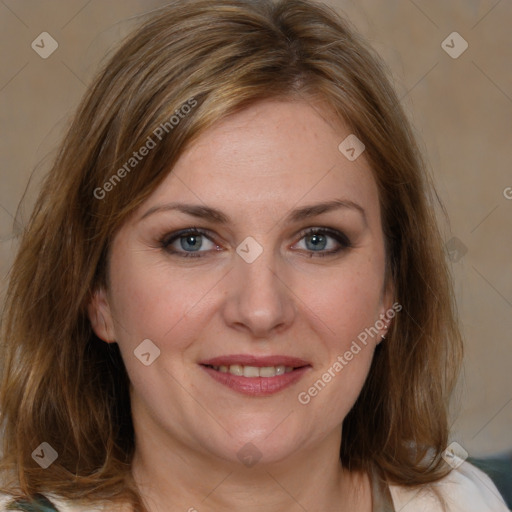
(465, 489)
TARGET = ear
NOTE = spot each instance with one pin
(388, 310)
(100, 316)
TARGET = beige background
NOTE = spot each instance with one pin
(461, 109)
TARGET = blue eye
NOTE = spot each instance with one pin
(190, 243)
(193, 242)
(320, 241)
(316, 241)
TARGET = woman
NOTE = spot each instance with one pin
(232, 292)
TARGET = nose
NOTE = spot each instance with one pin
(259, 301)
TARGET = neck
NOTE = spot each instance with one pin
(173, 477)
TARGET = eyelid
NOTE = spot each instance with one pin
(171, 237)
(166, 241)
(339, 236)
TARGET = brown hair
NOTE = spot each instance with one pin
(63, 385)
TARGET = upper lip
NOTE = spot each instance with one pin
(258, 361)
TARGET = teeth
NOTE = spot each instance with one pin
(268, 371)
(254, 371)
(251, 371)
(236, 369)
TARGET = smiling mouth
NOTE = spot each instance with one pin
(253, 371)
(256, 376)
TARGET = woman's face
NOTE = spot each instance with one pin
(252, 320)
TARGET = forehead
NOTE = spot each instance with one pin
(270, 156)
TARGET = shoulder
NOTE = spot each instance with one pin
(464, 489)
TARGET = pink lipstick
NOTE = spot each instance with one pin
(256, 375)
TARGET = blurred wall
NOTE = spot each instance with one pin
(459, 99)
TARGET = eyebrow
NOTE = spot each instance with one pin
(297, 215)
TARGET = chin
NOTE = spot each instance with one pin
(267, 444)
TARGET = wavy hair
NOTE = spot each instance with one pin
(63, 385)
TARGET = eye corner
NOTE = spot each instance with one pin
(342, 240)
(165, 242)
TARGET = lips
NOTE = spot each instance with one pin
(253, 375)
(258, 361)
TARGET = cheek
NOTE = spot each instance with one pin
(154, 300)
(347, 301)
(348, 304)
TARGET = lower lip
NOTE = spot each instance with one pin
(257, 386)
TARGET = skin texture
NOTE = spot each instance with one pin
(255, 166)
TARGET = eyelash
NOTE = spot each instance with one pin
(166, 241)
